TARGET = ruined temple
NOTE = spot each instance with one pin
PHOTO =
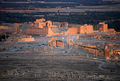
(48, 28)
(85, 29)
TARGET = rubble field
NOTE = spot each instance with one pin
(37, 62)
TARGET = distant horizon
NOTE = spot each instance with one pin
(83, 2)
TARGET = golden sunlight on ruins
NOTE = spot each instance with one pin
(47, 48)
(63, 34)
(49, 28)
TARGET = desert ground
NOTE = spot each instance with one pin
(35, 61)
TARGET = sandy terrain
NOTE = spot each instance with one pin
(39, 63)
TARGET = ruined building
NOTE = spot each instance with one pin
(85, 29)
(48, 28)
(102, 27)
(10, 29)
(40, 27)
